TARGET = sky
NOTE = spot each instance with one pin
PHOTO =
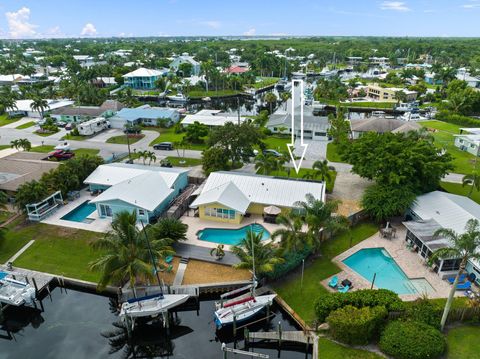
(106, 18)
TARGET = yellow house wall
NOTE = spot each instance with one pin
(201, 214)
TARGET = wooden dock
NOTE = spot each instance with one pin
(39, 280)
(295, 336)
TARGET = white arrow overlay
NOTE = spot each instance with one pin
(297, 165)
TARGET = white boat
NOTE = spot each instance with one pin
(411, 116)
(15, 292)
(242, 310)
(151, 306)
(178, 97)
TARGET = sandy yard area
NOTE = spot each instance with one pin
(170, 276)
(199, 272)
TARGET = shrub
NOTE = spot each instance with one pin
(360, 298)
(356, 325)
(450, 117)
(292, 260)
(412, 340)
(424, 311)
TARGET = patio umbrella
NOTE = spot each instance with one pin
(272, 210)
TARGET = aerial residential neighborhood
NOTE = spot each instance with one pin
(256, 180)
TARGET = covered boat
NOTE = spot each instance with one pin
(15, 292)
(152, 305)
(242, 310)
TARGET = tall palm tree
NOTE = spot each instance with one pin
(251, 250)
(3, 200)
(25, 144)
(271, 99)
(472, 180)
(285, 96)
(464, 247)
(142, 154)
(321, 170)
(265, 163)
(291, 235)
(151, 157)
(321, 218)
(126, 253)
(40, 105)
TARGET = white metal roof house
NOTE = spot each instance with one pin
(143, 79)
(146, 190)
(23, 107)
(182, 59)
(212, 118)
(229, 196)
(146, 115)
(468, 142)
(314, 127)
(435, 210)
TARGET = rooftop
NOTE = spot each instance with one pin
(145, 112)
(212, 118)
(143, 72)
(382, 125)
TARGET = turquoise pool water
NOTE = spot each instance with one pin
(370, 261)
(3, 275)
(230, 236)
(80, 213)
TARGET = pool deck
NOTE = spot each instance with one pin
(410, 262)
(98, 224)
(196, 224)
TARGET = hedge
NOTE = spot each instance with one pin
(424, 311)
(292, 260)
(357, 326)
(412, 340)
(450, 117)
(327, 303)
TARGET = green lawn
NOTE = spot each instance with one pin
(332, 153)
(4, 215)
(2, 147)
(264, 82)
(457, 188)
(69, 136)
(331, 350)
(303, 174)
(42, 149)
(122, 139)
(13, 241)
(57, 250)
(25, 125)
(462, 160)
(45, 134)
(462, 342)
(169, 135)
(5, 120)
(278, 143)
(189, 162)
(211, 93)
(78, 152)
(302, 300)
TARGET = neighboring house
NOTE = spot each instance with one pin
(376, 92)
(229, 196)
(10, 79)
(381, 125)
(143, 79)
(380, 61)
(102, 82)
(238, 68)
(354, 60)
(77, 114)
(472, 81)
(435, 210)
(23, 107)
(146, 190)
(182, 59)
(144, 115)
(430, 79)
(212, 118)
(85, 60)
(314, 127)
(468, 142)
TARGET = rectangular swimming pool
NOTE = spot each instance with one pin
(370, 262)
(230, 236)
(80, 213)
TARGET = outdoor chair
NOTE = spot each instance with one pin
(333, 282)
(461, 279)
(168, 259)
(342, 289)
(464, 286)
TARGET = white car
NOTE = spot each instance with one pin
(63, 146)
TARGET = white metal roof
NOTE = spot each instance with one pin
(448, 210)
(25, 105)
(143, 72)
(226, 194)
(115, 173)
(147, 190)
(211, 118)
(265, 190)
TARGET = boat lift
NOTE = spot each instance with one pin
(226, 350)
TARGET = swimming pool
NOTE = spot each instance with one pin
(80, 213)
(230, 236)
(3, 275)
(376, 261)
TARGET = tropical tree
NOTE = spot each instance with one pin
(271, 99)
(321, 170)
(3, 200)
(40, 105)
(151, 157)
(126, 253)
(218, 251)
(285, 96)
(143, 155)
(8, 99)
(252, 251)
(472, 180)
(195, 132)
(265, 163)
(30, 192)
(400, 96)
(339, 126)
(464, 247)
(171, 228)
(291, 234)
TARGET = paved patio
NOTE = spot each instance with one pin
(97, 224)
(410, 262)
(195, 224)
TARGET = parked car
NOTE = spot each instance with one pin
(272, 152)
(61, 124)
(69, 126)
(132, 130)
(167, 146)
(65, 146)
(61, 155)
(165, 163)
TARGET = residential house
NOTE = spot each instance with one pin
(143, 79)
(229, 196)
(380, 61)
(185, 58)
(314, 127)
(103, 82)
(85, 60)
(472, 81)
(468, 140)
(354, 60)
(212, 118)
(76, 114)
(238, 68)
(431, 80)
(145, 190)
(378, 93)
(380, 125)
(435, 210)
(144, 115)
(24, 107)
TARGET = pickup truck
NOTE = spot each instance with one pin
(61, 155)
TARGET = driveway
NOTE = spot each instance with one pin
(105, 135)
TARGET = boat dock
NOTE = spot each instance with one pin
(40, 281)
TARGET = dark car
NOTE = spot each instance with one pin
(166, 146)
(135, 130)
(61, 155)
(272, 153)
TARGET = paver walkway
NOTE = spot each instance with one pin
(20, 252)
(180, 273)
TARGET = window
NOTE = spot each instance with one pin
(105, 211)
(219, 213)
(450, 265)
(141, 212)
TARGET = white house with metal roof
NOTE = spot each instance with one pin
(212, 118)
(143, 79)
(432, 211)
(144, 115)
(145, 190)
(186, 59)
(24, 107)
(229, 196)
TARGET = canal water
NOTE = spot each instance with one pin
(82, 325)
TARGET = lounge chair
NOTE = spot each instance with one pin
(342, 289)
(464, 286)
(169, 259)
(333, 282)
(461, 279)
(169, 268)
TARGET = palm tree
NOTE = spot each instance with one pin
(320, 217)
(321, 170)
(265, 163)
(3, 200)
(151, 157)
(143, 155)
(252, 251)
(25, 144)
(292, 237)
(472, 180)
(8, 100)
(464, 247)
(285, 96)
(15, 144)
(126, 253)
(271, 99)
(218, 251)
(40, 105)
(170, 228)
